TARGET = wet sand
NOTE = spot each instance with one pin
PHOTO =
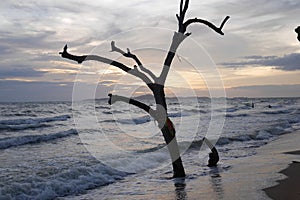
(242, 178)
(289, 187)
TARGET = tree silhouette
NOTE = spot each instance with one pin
(297, 30)
(154, 83)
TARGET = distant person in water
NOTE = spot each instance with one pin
(213, 156)
(297, 30)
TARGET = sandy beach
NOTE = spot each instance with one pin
(289, 187)
(243, 178)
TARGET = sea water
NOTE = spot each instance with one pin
(53, 149)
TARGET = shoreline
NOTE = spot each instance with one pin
(287, 188)
(243, 178)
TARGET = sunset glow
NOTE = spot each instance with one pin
(259, 47)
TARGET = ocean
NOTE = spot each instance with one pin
(60, 150)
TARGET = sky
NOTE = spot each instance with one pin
(259, 55)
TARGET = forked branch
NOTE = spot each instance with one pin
(182, 11)
(179, 37)
(184, 25)
(114, 48)
(207, 23)
(83, 58)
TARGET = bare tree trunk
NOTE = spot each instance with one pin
(156, 84)
(167, 129)
(165, 124)
(170, 139)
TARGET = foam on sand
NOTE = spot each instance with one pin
(243, 178)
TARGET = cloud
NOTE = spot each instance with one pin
(5, 50)
(34, 91)
(20, 91)
(289, 62)
(30, 41)
(33, 32)
(266, 26)
(270, 7)
(19, 73)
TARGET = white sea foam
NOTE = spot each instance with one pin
(263, 135)
(30, 123)
(31, 139)
(34, 120)
(178, 114)
(139, 120)
(72, 181)
(22, 126)
(245, 129)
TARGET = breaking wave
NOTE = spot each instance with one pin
(73, 181)
(30, 123)
(33, 139)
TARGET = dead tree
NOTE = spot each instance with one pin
(297, 30)
(154, 83)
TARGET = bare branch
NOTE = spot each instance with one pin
(186, 6)
(207, 23)
(150, 73)
(114, 48)
(114, 98)
(128, 54)
(182, 27)
(180, 17)
(181, 7)
(181, 35)
(81, 59)
(224, 22)
(163, 120)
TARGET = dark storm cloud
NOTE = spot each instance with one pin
(289, 62)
